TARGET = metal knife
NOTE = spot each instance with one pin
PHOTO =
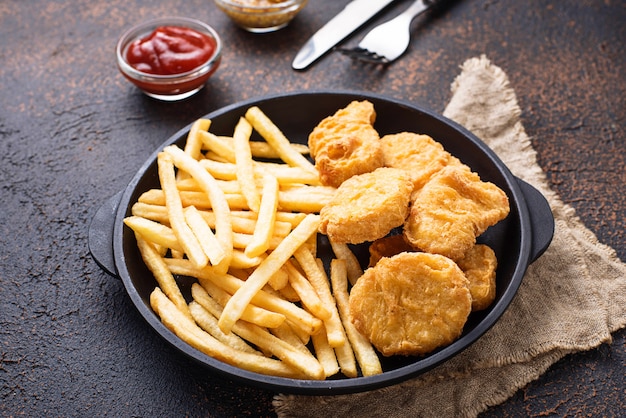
(354, 15)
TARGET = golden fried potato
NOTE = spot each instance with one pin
(387, 247)
(451, 210)
(479, 266)
(411, 303)
(367, 206)
(420, 155)
(346, 144)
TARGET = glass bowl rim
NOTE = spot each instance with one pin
(273, 8)
(135, 31)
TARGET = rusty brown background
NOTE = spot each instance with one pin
(73, 132)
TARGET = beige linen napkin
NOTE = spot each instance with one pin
(572, 298)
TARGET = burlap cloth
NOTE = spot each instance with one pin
(571, 299)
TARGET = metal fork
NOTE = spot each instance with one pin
(387, 41)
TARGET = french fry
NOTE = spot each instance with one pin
(154, 232)
(343, 252)
(363, 350)
(279, 280)
(307, 199)
(213, 156)
(273, 135)
(262, 149)
(190, 185)
(241, 241)
(223, 226)
(156, 213)
(209, 243)
(266, 220)
(162, 274)
(187, 330)
(325, 353)
(244, 164)
(218, 145)
(208, 322)
(229, 186)
(304, 336)
(288, 293)
(292, 218)
(247, 225)
(208, 295)
(227, 171)
(269, 266)
(306, 363)
(346, 360)
(241, 261)
(289, 217)
(220, 170)
(193, 145)
(287, 334)
(319, 280)
(195, 198)
(183, 233)
(306, 293)
(288, 175)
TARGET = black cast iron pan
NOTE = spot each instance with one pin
(518, 240)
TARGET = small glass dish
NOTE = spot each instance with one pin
(169, 87)
(261, 16)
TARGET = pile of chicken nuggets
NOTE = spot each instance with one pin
(421, 210)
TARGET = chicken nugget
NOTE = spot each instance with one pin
(479, 266)
(355, 116)
(386, 247)
(367, 206)
(411, 303)
(420, 155)
(451, 210)
(346, 144)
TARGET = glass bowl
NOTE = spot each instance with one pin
(261, 16)
(169, 87)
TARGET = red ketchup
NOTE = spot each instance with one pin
(170, 50)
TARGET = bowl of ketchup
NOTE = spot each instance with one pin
(169, 58)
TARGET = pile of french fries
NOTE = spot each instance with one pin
(241, 216)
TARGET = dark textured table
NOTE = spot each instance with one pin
(73, 132)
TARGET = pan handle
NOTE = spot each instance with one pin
(541, 219)
(101, 235)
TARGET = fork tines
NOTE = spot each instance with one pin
(363, 54)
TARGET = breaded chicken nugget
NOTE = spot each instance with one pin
(386, 247)
(411, 303)
(420, 155)
(355, 116)
(346, 144)
(451, 210)
(479, 266)
(367, 206)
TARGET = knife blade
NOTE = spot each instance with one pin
(354, 15)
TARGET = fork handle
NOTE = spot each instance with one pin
(417, 7)
(438, 6)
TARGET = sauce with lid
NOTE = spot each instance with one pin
(170, 50)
